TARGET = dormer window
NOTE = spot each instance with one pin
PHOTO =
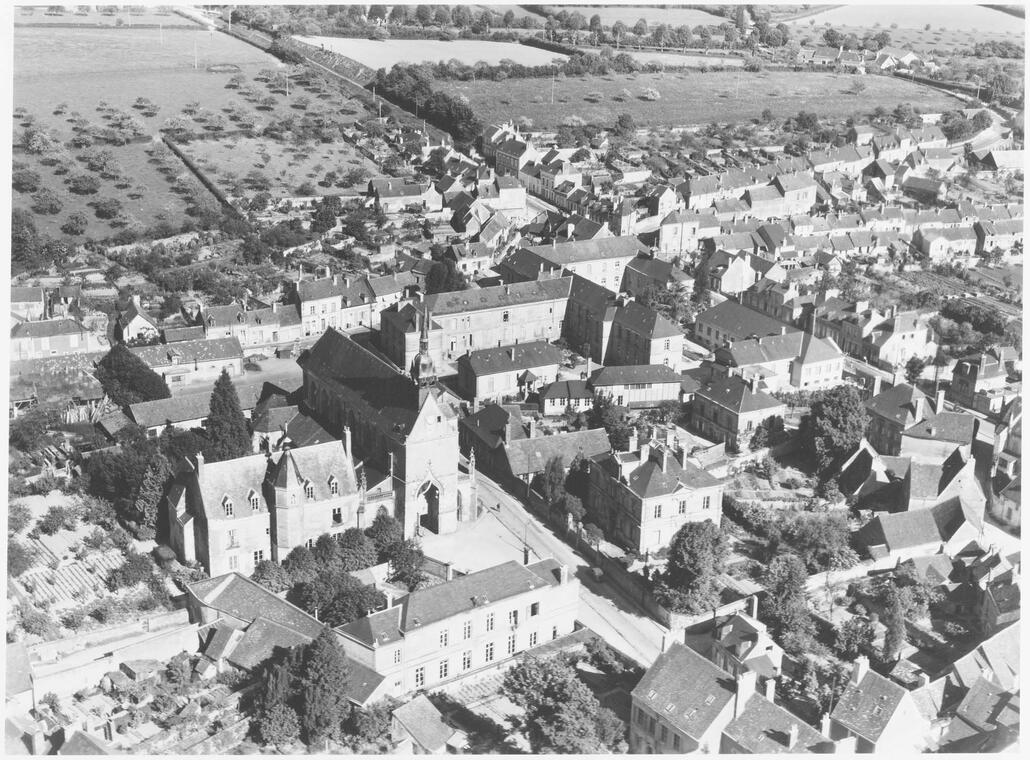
(309, 491)
(227, 508)
(334, 486)
(255, 502)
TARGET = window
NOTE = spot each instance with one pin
(467, 630)
(309, 491)
(665, 735)
(706, 502)
(397, 657)
(420, 677)
(489, 654)
(255, 503)
(337, 515)
(490, 622)
(227, 506)
(513, 617)
(232, 538)
(657, 511)
(334, 487)
(234, 562)
(466, 660)
(504, 317)
(534, 609)
(682, 506)
(532, 639)
(511, 644)
(676, 742)
(259, 555)
(443, 668)
(443, 639)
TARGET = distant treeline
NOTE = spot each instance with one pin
(410, 87)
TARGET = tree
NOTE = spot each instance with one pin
(356, 550)
(834, 427)
(300, 564)
(424, 15)
(551, 482)
(625, 126)
(561, 713)
(228, 436)
(852, 638)
(75, 224)
(385, 531)
(697, 555)
(271, 575)
(19, 558)
(785, 608)
(914, 369)
(126, 379)
(406, 559)
(445, 277)
(152, 489)
(351, 601)
(324, 676)
(894, 619)
(26, 180)
(25, 242)
(821, 540)
(279, 726)
(612, 418)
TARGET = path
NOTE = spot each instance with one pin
(613, 615)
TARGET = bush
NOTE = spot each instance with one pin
(35, 622)
(58, 518)
(18, 518)
(138, 568)
(73, 620)
(19, 559)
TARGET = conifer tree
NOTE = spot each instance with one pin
(228, 435)
(126, 379)
(152, 489)
(324, 679)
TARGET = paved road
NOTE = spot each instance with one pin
(603, 607)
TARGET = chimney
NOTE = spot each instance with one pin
(792, 736)
(448, 571)
(860, 669)
(745, 689)
(347, 442)
(336, 280)
(135, 300)
(770, 689)
(666, 456)
(752, 606)
(670, 438)
(824, 725)
(683, 456)
(589, 367)
(200, 464)
(511, 353)
(563, 575)
(645, 452)
(783, 330)
(632, 445)
(920, 410)
(532, 427)
(275, 307)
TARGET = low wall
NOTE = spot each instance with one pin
(51, 651)
(220, 743)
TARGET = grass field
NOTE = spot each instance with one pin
(692, 98)
(676, 59)
(81, 68)
(387, 53)
(287, 166)
(35, 15)
(950, 26)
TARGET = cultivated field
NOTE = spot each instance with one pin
(676, 59)
(87, 74)
(692, 98)
(227, 163)
(385, 54)
(90, 16)
(630, 14)
(950, 26)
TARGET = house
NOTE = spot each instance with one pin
(890, 344)
(637, 386)
(262, 326)
(1008, 440)
(28, 303)
(981, 373)
(733, 273)
(798, 190)
(730, 321)
(767, 202)
(1001, 234)
(601, 261)
(948, 527)
(440, 634)
(508, 371)
(193, 361)
(795, 360)
(682, 231)
(232, 514)
(728, 410)
(53, 337)
(131, 323)
(394, 195)
(244, 625)
(187, 411)
(986, 720)
(1004, 161)
(873, 479)
(905, 412)
(931, 482)
(563, 395)
(419, 728)
(644, 273)
(881, 715)
(346, 302)
(742, 643)
(644, 495)
(923, 189)
(941, 246)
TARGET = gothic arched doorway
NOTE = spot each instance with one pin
(429, 507)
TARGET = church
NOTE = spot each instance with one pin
(406, 425)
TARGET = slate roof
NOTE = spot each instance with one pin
(530, 455)
(867, 707)
(898, 404)
(737, 321)
(658, 270)
(189, 406)
(928, 480)
(190, 351)
(47, 328)
(498, 296)
(999, 653)
(83, 743)
(568, 389)
(424, 724)
(634, 373)
(590, 250)
(776, 348)
(686, 689)
(26, 295)
(764, 728)
(649, 480)
(232, 479)
(177, 334)
(491, 361)
(733, 393)
(904, 530)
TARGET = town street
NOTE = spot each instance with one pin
(604, 608)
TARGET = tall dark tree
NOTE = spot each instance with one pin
(604, 413)
(697, 555)
(126, 379)
(914, 369)
(356, 550)
(385, 531)
(445, 277)
(406, 560)
(551, 482)
(894, 619)
(228, 435)
(785, 607)
(152, 488)
(834, 426)
(324, 675)
(301, 564)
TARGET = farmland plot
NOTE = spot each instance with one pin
(386, 53)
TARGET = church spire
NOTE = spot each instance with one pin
(423, 371)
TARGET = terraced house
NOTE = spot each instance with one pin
(348, 301)
(795, 360)
(467, 625)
